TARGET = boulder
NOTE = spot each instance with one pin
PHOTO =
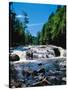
(57, 52)
(14, 57)
(40, 64)
(29, 54)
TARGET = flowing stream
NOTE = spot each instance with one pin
(31, 71)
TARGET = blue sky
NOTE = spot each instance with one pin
(38, 14)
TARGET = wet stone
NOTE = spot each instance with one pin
(14, 57)
(42, 70)
(34, 73)
(40, 64)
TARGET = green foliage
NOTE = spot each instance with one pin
(54, 31)
(17, 33)
(28, 38)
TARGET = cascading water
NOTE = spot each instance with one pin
(44, 65)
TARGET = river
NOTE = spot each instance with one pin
(32, 72)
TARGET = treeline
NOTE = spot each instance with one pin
(54, 31)
(18, 34)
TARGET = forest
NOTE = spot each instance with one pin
(52, 32)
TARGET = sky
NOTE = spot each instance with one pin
(37, 13)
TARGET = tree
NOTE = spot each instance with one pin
(54, 31)
(16, 29)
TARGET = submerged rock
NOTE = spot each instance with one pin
(41, 76)
(35, 73)
(55, 80)
(40, 64)
(26, 72)
(42, 70)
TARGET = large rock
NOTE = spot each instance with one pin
(29, 54)
(14, 57)
(57, 52)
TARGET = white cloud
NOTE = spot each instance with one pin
(20, 16)
(34, 24)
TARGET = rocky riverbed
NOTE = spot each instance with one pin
(38, 71)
